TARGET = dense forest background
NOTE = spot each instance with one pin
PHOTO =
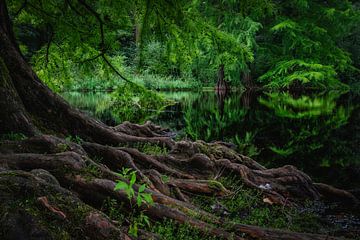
(167, 45)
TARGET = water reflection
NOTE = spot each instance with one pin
(318, 133)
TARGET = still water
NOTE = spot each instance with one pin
(318, 133)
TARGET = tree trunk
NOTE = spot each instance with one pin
(248, 81)
(14, 118)
(221, 84)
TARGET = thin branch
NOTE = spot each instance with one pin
(57, 18)
(115, 70)
(98, 18)
(102, 43)
(90, 59)
(73, 8)
(21, 8)
(48, 45)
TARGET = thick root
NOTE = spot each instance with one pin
(190, 170)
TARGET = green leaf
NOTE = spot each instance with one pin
(121, 185)
(133, 230)
(139, 200)
(147, 197)
(133, 179)
(142, 188)
(146, 220)
(131, 192)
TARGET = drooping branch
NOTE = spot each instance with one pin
(103, 50)
(50, 39)
(23, 5)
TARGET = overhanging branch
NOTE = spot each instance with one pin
(102, 41)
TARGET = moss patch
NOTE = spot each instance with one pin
(245, 206)
(170, 230)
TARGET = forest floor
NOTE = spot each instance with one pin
(230, 202)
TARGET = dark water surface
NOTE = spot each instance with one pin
(318, 133)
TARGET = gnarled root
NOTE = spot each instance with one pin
(190, 169)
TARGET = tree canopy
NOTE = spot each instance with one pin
(285, 43)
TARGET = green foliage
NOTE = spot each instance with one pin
(246, 144)
(134, 103)
(141, 197)
(61, 69)
(75, 139)
(12, 136)
(140, 221)
(159, 82)
(128, 187)
(187, 39)
(308, 36)
(113, 209)
(296, 73)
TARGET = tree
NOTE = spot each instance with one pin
(80, 176)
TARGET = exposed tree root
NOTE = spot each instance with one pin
(24, 196)
(191, 168)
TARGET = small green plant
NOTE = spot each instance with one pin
(127, 185)
(165, 178)
(75, 139)
(62, 147)
(113, 209)
(139, 221)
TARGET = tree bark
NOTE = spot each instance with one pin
(221, 84)
(14, 118)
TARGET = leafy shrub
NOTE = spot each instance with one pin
(131, 102)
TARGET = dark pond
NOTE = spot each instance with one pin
(318, 133)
